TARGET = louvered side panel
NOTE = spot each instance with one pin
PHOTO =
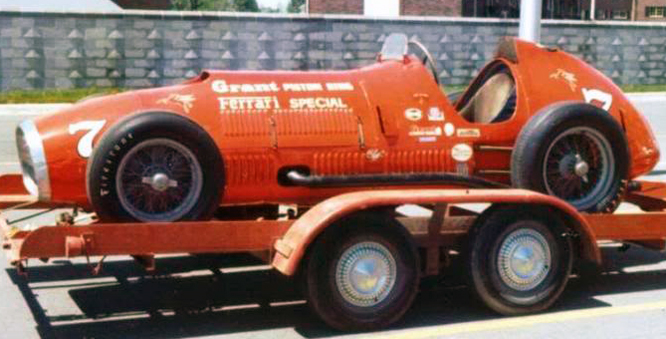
(249, 169)
(339, 163)
(433, 160)
(303, 128)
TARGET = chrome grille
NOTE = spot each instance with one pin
(33, 161)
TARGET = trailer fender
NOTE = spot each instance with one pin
(292, 247)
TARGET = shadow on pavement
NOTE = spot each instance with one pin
(179, 302)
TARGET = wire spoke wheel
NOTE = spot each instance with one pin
(159, 180)
(579, 166)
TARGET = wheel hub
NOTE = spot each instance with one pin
(365, 274)
(524, 259)
(579, 167)
(160, 182)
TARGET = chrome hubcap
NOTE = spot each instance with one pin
(581, 168)
(524, 259)
(365, 274)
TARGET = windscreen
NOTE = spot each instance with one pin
(394, 48)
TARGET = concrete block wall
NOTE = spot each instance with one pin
(153, 48)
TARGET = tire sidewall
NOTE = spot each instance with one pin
(527, 161)
(122, 137)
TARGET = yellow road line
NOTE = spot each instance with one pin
(507, 323)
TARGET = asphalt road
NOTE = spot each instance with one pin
(236, 297)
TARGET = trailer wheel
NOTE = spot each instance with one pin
(577, 152)
(519, 261)
(362, 274)
(155, 167)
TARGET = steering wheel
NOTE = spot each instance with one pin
(428, 60)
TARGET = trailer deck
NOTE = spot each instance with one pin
(149, 239)
(285, 242)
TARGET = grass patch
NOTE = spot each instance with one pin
(644, 88)
(52, 95)
(73, 95)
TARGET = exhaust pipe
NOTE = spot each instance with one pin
(317, 181)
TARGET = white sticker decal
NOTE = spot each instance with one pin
(427, 139)
(435, 114)
(604, 99)
(416, 131)
(413, 114)
(85, 145)
(449, 129)
(462, 152)
(468, 133)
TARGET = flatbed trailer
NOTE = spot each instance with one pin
(361, 259)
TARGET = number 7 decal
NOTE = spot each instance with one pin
(604, 98)
(93, 127)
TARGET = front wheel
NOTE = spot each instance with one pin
(363, 274)
(519, 261)
(156, 167)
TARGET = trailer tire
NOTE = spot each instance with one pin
(519, 260)
(347, 299)
(181, 170)
(575, 151)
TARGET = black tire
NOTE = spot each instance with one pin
(492, 275)
(325, 278)
(177, 135)
(537, 164)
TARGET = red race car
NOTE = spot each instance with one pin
(535, 117)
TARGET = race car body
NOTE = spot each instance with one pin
(534, 117)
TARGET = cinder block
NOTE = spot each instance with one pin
(135, 72)
(95, 33)
(95, 72)
(141, 43)
(135, 53)
(144, 23)
(138, 83)
(13, 32)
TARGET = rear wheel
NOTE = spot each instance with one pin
(576, 152)
(363, 274)
(519, 262)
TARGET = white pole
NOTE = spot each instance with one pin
(593, 8)
(530, 20)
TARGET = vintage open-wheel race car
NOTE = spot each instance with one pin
(535, 117)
